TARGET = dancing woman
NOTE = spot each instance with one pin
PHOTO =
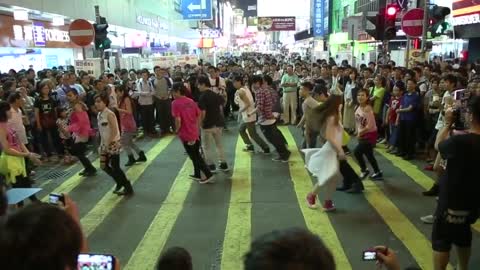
(323, 163)
(108, 127)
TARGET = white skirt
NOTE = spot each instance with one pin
(322, 163)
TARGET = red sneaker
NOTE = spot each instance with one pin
(312, 200)
(328, 206)
(429, 168)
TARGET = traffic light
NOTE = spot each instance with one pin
(379, 22)
(102, 42)
(391, 11)
(437, 15)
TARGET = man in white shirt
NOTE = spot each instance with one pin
(145, 92)
(244, 99)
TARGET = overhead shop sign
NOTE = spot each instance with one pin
(465, 12)
(276, 24)
(157, 23)
(197, 10)
(320, 18)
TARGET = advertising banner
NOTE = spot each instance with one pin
(276, 24)
(90, 66)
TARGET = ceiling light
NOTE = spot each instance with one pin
(20, 15)
(58, 21)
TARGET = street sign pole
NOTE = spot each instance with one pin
(102, 56)
(425, 23)
(407, 56)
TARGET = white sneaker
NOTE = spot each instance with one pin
(210, 180)
(428, 219)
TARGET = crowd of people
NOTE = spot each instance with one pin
(429, 112)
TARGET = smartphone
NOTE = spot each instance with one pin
(56, 198)
(95, 261)
(369, 255)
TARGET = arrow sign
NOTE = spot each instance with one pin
(197, 9)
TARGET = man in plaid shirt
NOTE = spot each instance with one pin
(266, 119)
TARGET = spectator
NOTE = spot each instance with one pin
(175, 258)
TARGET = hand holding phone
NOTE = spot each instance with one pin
(370, 255)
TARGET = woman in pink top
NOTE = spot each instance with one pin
(128, 125)
(81, 131)
(367, 136)
(14, 152)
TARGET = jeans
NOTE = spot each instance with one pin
(111, 165)
(364, 147)
(163, 111)
(78, 150)
(199, 164)
(275, 137)
(214, 134)
(252, 131)
(147, 118)
(393, 135)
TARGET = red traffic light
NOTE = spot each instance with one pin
(392, 11)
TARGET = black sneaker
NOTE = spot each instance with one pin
(377, 176)
(212, 168)
(364, 174)
(432, 192)
(224, 167)
(266, 151)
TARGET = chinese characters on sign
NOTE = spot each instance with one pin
(276, 24)
(39, 34)
(320, 17)
(39, 37)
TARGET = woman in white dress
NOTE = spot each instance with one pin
(323, 163)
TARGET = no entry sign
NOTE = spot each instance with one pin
(81, 32)
(412, 22)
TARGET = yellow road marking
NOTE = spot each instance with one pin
(106, 204)
(415, 174)
(416, 243)
(238, 229)
(317, 222)
(146, 254)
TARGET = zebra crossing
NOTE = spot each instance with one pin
(216, 223)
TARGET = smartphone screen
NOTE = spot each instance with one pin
(55, 198)
(369, 255)
(96, 261)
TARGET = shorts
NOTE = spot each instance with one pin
(445, 234)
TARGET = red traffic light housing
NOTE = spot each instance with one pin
(390, 30)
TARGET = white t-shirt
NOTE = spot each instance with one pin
(241, 104)
(441, 117)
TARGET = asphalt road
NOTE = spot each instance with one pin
(217, 222)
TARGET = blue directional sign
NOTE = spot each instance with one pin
(320, 18)
(197, 10)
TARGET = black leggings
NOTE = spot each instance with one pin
(199, 164)
(78, 150)
(364, 147)
(24, 182)
(111, 165)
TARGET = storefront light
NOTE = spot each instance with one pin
(20, 15)
(58, 21)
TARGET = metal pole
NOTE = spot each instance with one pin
(84, 54)
(425, 29)
(407, 56)
(97, 20)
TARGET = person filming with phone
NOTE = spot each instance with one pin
(458, 204)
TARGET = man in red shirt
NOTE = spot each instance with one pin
(187, 126)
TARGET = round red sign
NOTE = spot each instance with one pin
(81, 32)
(412, 22)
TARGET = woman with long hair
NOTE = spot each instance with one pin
(14, 152)
(109, 150)
(350, 101)
(323, 163)
(367, 136)
(128, 125)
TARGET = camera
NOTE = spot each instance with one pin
(96, 261)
